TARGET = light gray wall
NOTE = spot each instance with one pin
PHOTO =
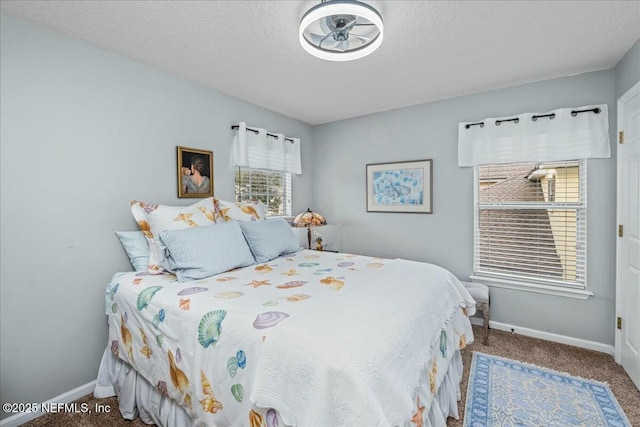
(83, 132)
(429, 131)
(628, 70)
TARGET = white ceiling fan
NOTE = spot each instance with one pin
(341, 30)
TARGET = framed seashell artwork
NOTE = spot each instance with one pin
(402, 187)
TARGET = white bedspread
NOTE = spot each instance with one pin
(325, 339)
(365, 354)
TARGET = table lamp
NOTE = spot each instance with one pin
(308, 219)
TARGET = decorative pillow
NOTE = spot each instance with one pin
(153, 219)
(245, 211)
(136, 247)
(195, 253)
(269, 239)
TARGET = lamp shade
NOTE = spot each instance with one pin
(308, 219)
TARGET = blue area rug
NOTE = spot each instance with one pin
(504, 392)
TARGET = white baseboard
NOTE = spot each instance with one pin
(549, 336)
(68, 397)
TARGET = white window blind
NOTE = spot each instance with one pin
(530, 222)
(273, 188)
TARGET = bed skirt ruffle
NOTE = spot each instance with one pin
(139, 398)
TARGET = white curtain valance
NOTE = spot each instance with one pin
(563, 134)
(258, 149)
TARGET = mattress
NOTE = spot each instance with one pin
(310, 338)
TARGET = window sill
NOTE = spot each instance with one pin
(532, 287)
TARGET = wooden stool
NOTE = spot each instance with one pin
(480, 294)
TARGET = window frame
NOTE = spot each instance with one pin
(530, 284)
(286, 193)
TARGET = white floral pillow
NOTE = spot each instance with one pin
(154, 219)
(245, 211)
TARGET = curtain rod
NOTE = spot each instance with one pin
(534, 118)
(257, 132)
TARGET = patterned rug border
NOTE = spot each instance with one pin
(472, 370)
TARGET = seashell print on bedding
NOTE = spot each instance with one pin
(145, 228)
(186, 218)
(232, 366)
(242, 359)
(178, 378)
(144, 297)
(115, 349)
(433, 375)
(209, 329)
(291, 272)
(443, 343)
(264, 268)
(158, 318)
(272, 418)
(209, 213)
(226, 279)
(345, 264)
(146, 207)
(209, 402)
(162, 388)
(249, 210)
(125, 334)
(309, 264)
(145, 350)
(293, 284)
(269, 319)
(229, 294)
(298, 297)
(238, 392)
(192, 290)
(112, 291)
(255, 419)
(332, 283)
(185, 304)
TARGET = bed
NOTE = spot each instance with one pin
(304, 339)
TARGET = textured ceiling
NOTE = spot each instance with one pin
(432, 49)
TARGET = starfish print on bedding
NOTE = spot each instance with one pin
(417, 417)
(256, 283)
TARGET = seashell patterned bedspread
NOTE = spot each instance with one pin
(323, 338)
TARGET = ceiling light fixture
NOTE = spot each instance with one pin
(341, 30)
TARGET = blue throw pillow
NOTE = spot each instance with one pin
(269, 239)
(198, 252)
(136, 247)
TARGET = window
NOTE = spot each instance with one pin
(273, 188)
(530, 223)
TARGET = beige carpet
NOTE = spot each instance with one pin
(573, 360)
